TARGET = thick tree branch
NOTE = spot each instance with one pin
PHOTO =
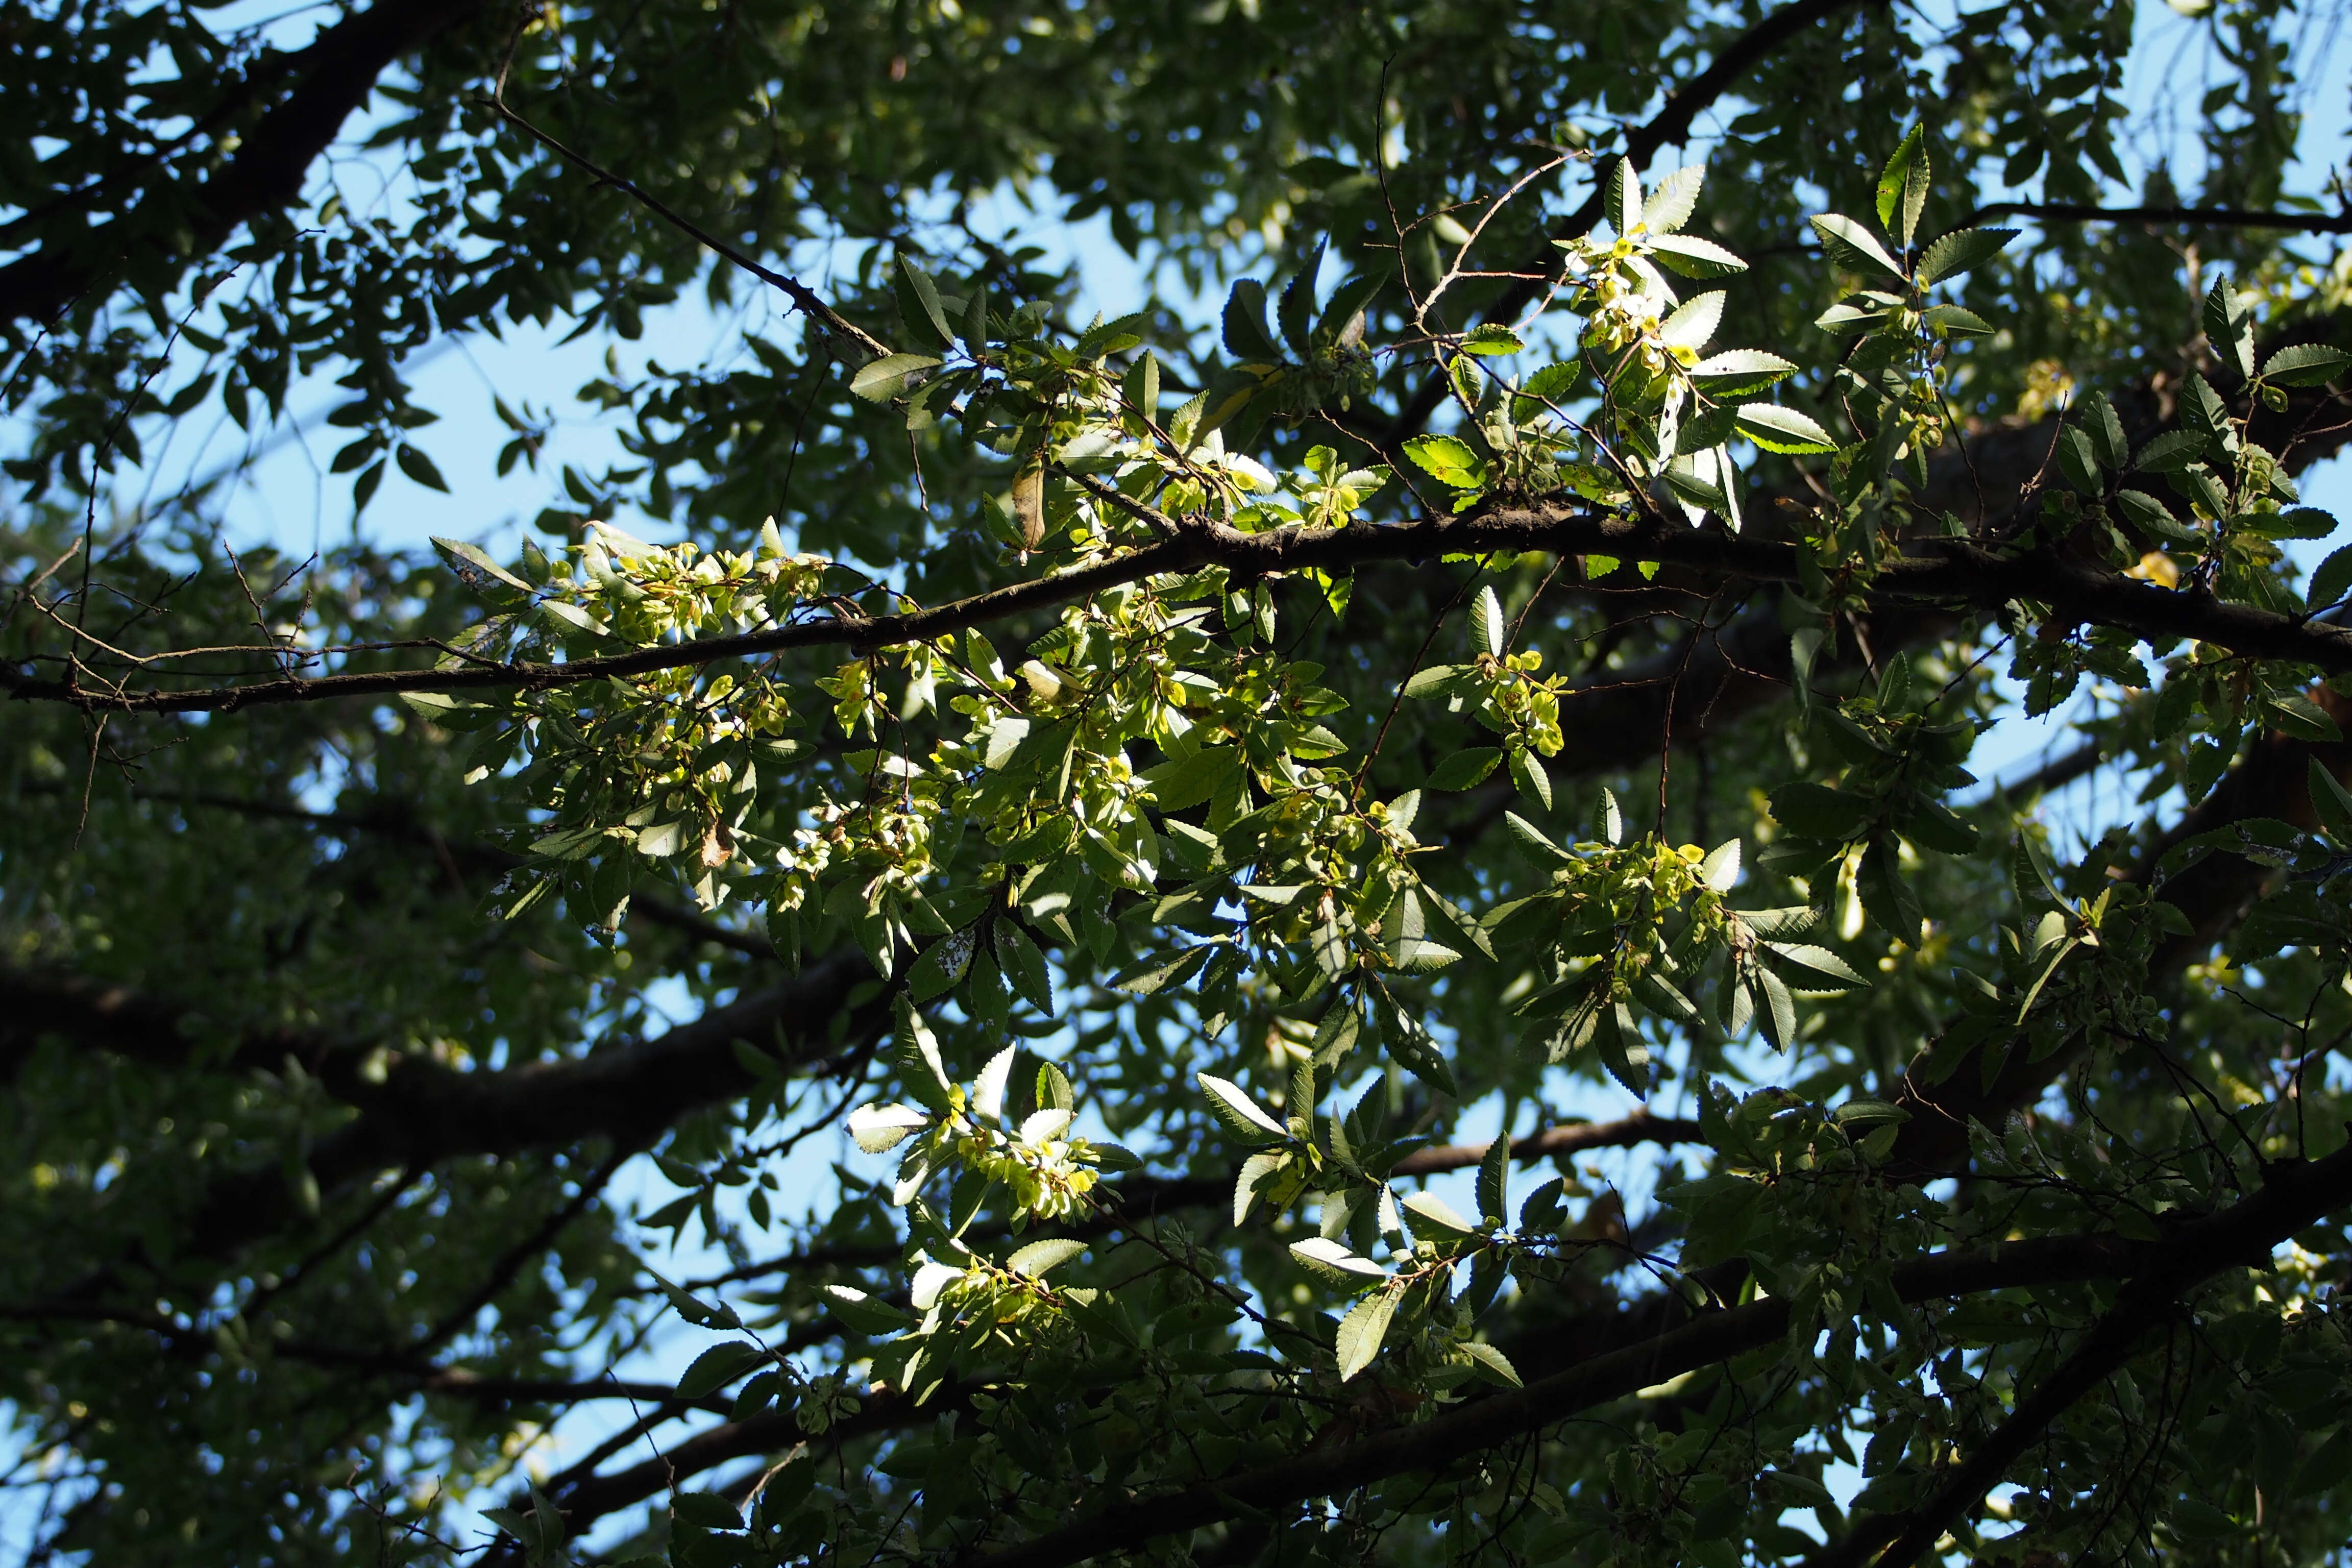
(1956, 572)
(2197, 217)
(2240, 1236)
(2293, 1195)
(264, 174)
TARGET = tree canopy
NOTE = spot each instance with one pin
(1206, 821)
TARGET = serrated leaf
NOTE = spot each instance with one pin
(1237, 1110)
(1963, 251)
(1688, 256)
(1328, 1259)
(1778, 1014)
(1246, 335)
(877, 1129)
(1738, 372)
(1043, 1125)
(1023, 964)
(1529, 773)
(1608, 821)
(1851, 247)
(1495, 1180)
(1439, 1213)
(466, 559)
(2331, 802)
(1693, 322)
(1903, 187)
(1038, 1257)
(1784, 430)
(1537, 842)
(1670, 205)
(1486, 626)
(1448, 460)
(1155, 975)
(1494, 1364)
(864, 1312)
(886, 377)
(717, 1367)
(1820, 960)
(2306, 364)
(1463, 769)
(1491, 339)
(1255, 1171)
(1720, 870)
(987, 1090)
(1361, 1331)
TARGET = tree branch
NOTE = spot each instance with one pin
(1946, 572)
(265, 173)
(2243, 1235)
(2293, 1195)
(2204, 217)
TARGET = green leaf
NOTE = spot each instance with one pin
(1189, 780)
(1361, 1331)
(1608, 821)
(865, 1313)
(877, 1129)
(1670, 205)
(1720, 870)
(1246, 336)
(469, 560)
(1486, 627)
(1530, 776)
(1328, 1259)
(2328, 1468)
(1903, 187)
(2331, 579)
(2299, 717)
(1691, 257)
(1819, 960)
(2150, 515)
(1955, 321)
(1023, 966)
(1492, 1363)
(2306, 364)
(1541, 848)
(1738, 372)
(1784, 431)
(1034, 1259)
(1491, 339)
(717, 1367)
(705, 1510)
(2331, 802)
(1449, 461)
(1495, 1180)
(1463, 769)
(1963, 251)
(927, 310)
(890, 375)
(1850, 246)
(419, 467)
(1237, 1111)
(701, 1314)
(1155, 975)
(1439, 1213)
